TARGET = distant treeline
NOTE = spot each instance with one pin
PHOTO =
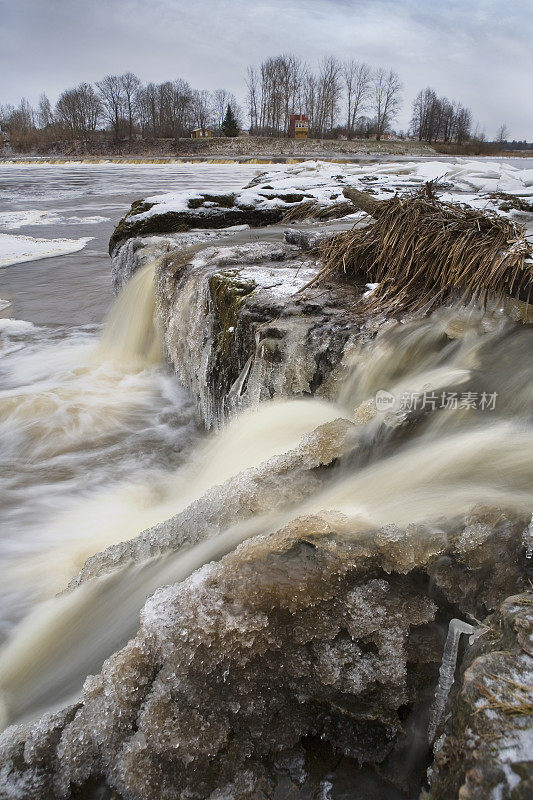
(122, 106)
(346, 99)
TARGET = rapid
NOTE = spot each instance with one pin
(405, 467)
(110, 488)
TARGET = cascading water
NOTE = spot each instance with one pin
(77, 420)
(130, 334)
(454, 459)
(406, 469)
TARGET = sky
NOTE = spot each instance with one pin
(479, 52)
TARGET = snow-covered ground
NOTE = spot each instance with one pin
(18, 249)
(468, 181)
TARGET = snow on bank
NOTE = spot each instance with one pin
(324, 182)
(13, 220)
(18, 249)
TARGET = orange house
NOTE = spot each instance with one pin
(298, 126)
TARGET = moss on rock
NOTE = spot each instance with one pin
(228, 292)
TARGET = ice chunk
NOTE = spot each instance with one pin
(18, 249)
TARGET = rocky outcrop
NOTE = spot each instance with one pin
(307, 631)
(486, 749)
(224, 211)
(238, 328)
(237, 322)
(256, 206)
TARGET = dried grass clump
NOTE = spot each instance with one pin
(422, 251)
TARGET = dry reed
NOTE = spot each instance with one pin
(422, 251)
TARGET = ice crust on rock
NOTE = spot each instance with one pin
(447, 671)
(487, 746)
(136, 252)
(232, 667)
(237, 332)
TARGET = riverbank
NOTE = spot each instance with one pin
(240, 149)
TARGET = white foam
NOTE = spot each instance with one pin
(18, 249)
(13, 220)
(15, 326)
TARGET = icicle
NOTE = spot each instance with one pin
(447, 671)
(235, 392)
(527, 539)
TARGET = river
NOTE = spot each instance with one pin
(73, 428)
(100, 442)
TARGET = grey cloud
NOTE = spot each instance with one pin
(478, 52)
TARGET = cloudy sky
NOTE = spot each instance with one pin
(479, 52)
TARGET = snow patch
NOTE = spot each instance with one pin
(465, 180)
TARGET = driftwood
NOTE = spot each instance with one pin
(364, 202)
(423, 252)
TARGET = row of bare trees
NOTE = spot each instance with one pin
(125, 107)
(348, 97)
(439, 119)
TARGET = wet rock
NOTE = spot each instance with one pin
(306, 239)
(254, 207)
(238, 328)
(486, 750)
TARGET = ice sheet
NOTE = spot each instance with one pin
(18, 249)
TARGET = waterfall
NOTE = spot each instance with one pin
(130, 334)
(453, 461)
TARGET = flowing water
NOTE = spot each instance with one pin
(79, 415)
(100, 444)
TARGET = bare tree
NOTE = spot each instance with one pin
(310, 98)
(502, 134)
(386, 98)
(175, 104)
(45, 115)
(79, 111)
(463, 124)
(111, 93)
(329, 90)
(435, 118)
(130, 85)
(274, 93)
(252, 85)
(201, 108)
(147, 109)
(357, 76)
(20, 123)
